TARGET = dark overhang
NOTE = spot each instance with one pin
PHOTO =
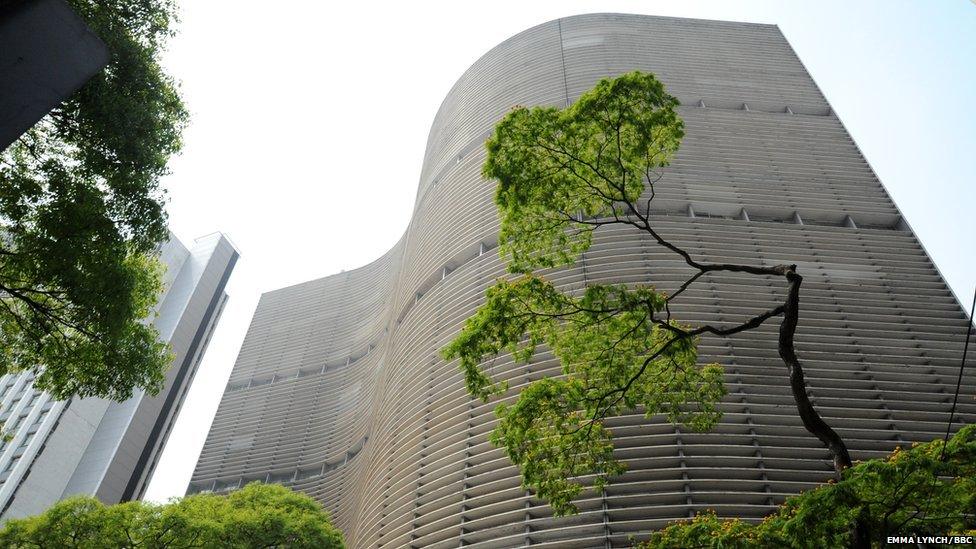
(46, 53)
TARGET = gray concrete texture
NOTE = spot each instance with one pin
(339, 392)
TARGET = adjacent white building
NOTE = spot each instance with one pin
(99, 447)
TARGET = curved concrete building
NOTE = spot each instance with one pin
(339, 391)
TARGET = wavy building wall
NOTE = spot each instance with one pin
(339, 392)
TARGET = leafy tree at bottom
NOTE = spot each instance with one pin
(913, 492)
(258, 515)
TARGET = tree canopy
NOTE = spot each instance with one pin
(82, 214)
(550, 166)
(558, 169)
(563, 174)
(917, 491)
(554, 430)
(258, 515)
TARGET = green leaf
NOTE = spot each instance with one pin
(558, 171)
(258, 515)
(82, 215)
(555, 167)
(911, 492)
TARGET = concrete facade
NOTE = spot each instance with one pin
(339, 391)
(46, 54)
(104, 448)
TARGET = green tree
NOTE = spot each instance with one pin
(81, 216)
(562, 175)
(258, 515)
(915, 491)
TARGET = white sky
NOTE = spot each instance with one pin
(310, 119)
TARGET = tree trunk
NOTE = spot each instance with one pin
(808, 414)
(861, 535)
